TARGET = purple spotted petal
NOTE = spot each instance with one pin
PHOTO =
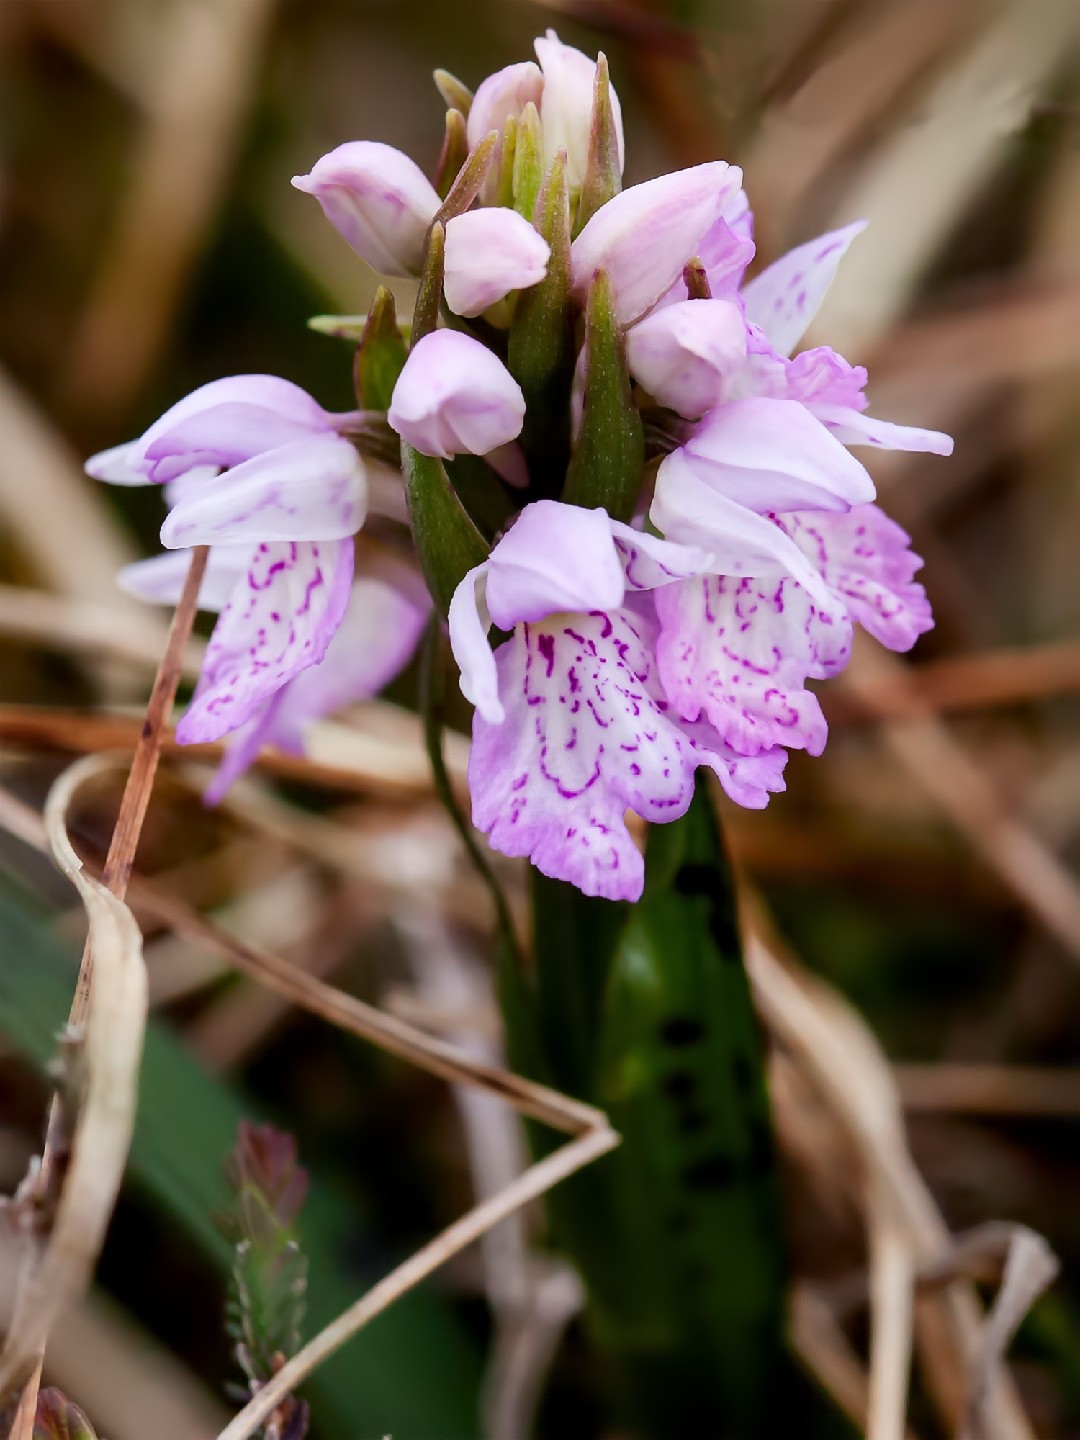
(279, 620)
(749, 780)
(554, 557)
(785, 297)
(648, 561)
(741, 543)
(312, 489)
(822, 377)
(385, 617)
(771, 454)
(584, 739)
(866, 558)
(739, 652)
(223, 436)
(160, 580)
(852, 428)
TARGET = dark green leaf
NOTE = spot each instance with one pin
(504, 187)
(380, 354)
(447, 541)
(481, 492)
(609, 452)
(603, 173)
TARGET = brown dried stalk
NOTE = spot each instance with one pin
(108, 1019)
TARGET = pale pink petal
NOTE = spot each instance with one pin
(741, 543)
(852, 428)
(554, 557)
(645, 235)
(119, 465)
(312, 489)
(785, 297)
(822, 377)
(584, 739)
(739, 652)
(774, 455)
(455, 396)
(381, 628)
(502, 96)
(221, 437)
(160, 580)
(686, 354)
(280, 619)
(378, 200)
(489, 253)
(866, 559)
(649, 561)
(469, 622)
(566, 104)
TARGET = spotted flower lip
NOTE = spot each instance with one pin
(378, 200)
(572, 726)
(645, 235)
(454, 396)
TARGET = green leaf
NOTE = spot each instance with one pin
(645, 1010)
(58, 1419)
(447, 540)
(609, 453)
(380, 354)
(186, 1124)
(455, 92)
(455, 151)
(528, 174)
(481, 492)
(540, 353)
(603, 173)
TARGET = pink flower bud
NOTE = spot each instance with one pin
(454, 396)
(644, 236)
(686, 354)
(566, 105)
(378, 200)
(500, 96)
(490, 252)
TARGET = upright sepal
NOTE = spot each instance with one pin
(455, 92)
(609, 451)
(603, 173)
(380, 354)
(469, 181)
(528, 174)
(447, 541)
(455, 151)
(540, 353)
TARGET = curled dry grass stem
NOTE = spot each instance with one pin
(107, 1020)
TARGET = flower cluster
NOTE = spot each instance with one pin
(609, 452)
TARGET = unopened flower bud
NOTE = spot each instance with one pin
(644, 236)
(378, 200)
(502, 96)
(684, 355)
(455, 396)
(490, 252)
(566, 105)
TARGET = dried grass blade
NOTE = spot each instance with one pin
(111, 1049)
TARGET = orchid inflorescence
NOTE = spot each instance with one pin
(608, 452)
